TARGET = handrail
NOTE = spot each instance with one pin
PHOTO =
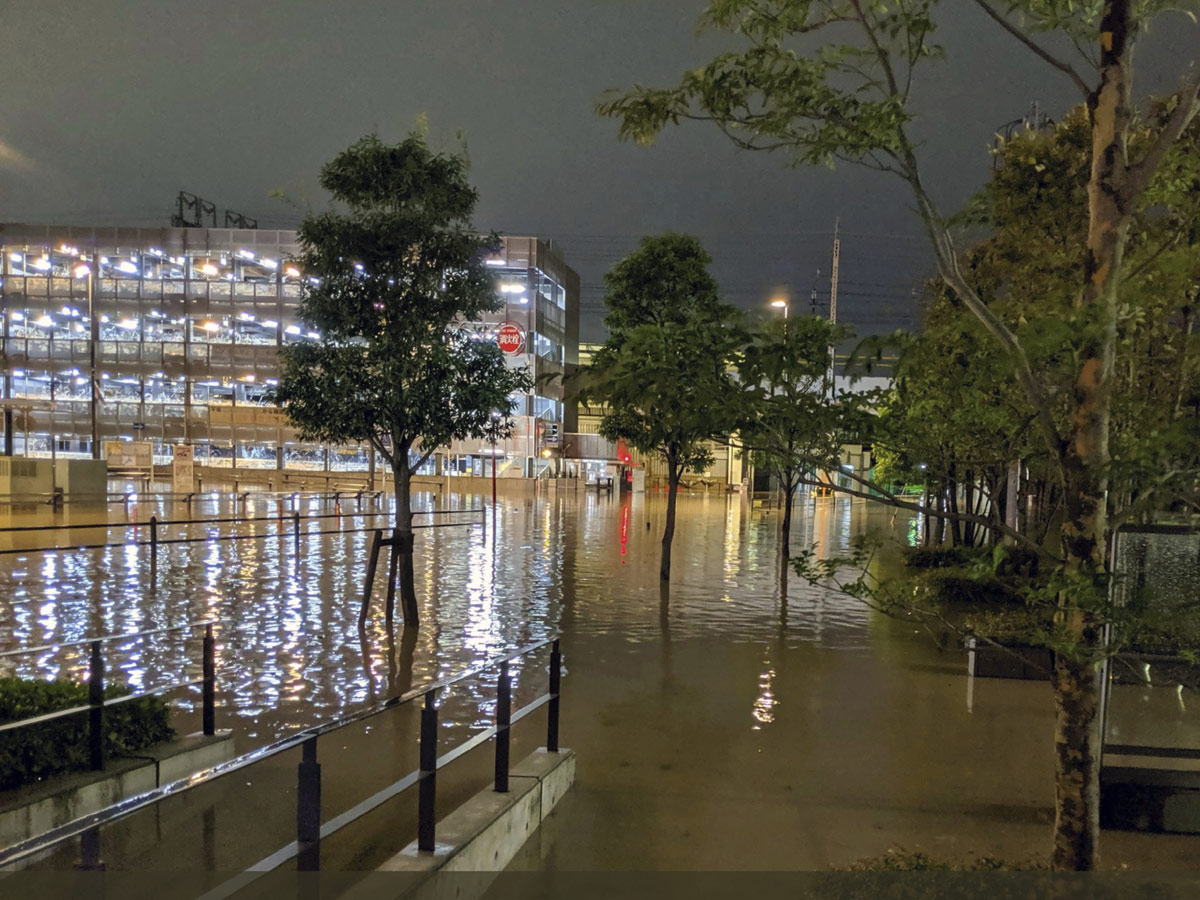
(111, 498)
(79, 710)
(105, 638)
(231, 520)
(295, 519)
(302, 739)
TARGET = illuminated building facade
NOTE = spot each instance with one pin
(171, 336)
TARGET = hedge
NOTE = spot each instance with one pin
(36, 752)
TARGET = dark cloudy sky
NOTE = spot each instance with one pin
(108, 109)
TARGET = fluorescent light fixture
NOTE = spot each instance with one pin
(314, 335)
(292, 329)
(269, 263)
(494, 262)
(512, 288)
(270, 323)
(208, 269)
(82, 271)
(291, 272)
(210, 326)
(130, 324)
(127, 267)
(41, 264)
(245, 254)
(18, 317)
(15, 257)
(45, 321)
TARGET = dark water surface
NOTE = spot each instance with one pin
(720, 724)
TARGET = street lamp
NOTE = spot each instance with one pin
(781, 303)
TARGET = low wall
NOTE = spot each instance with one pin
(35, 809)
(482, 836)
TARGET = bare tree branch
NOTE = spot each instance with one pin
(1064, 67)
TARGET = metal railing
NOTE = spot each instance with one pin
(310, 830)
(124, 498)
(96, 701)
(154, 523)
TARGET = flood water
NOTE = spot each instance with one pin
(721, 724)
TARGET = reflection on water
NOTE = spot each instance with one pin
(289, 652)
(722, 722)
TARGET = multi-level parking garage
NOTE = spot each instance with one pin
(171, 336)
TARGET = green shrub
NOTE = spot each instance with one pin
(941, 557)
(54, 748)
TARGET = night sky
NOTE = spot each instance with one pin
(108, 110)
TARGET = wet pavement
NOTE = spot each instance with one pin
(721, 724)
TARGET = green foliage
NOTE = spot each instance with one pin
(40, 751)
(786, 422)
(664, 282)
(832, 102)
(392, 276)
(664, 371)
(939, 557)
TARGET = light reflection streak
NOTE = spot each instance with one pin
(289, 652)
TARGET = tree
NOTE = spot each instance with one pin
(848, 99)
(391, 280)
(786, 423)
(664, 371)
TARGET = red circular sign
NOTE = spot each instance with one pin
(511, 338)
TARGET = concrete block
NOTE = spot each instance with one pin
(479, 839)
(38, 808)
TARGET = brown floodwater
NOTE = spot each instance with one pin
(721, 724)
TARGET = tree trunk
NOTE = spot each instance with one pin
(785, 529)
(1085, 454)
(1076, 765)
(403, 548)
(673, 475)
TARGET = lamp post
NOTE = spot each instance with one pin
(781, 303)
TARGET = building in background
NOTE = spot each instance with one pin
(595, 456)
(171, 336)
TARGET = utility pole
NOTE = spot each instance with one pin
(833, 298)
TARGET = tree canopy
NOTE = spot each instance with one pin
(394, 276)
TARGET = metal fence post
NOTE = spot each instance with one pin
(89, 851)
(296, 529)
(503, 721)
(308, 809)
(154, 540)
(552, 706)
(209, 687)
(96, 702)
(427, 797)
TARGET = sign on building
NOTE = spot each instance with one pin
(129, 454)
(183, 469)
(510, 338)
